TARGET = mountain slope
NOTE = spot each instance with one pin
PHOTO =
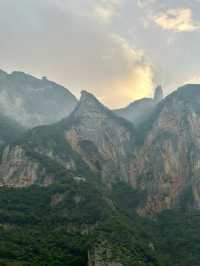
(31, 101)
(9, 130)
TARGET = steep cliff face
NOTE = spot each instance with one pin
(17, 170)
(39, 158)
(31, 101)
(104, 141)
(167, 166)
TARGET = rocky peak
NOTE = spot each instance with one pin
(158, 94)
(103, 139)
(89, 106)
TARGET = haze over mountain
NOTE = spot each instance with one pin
(140, 110)
(31, 101)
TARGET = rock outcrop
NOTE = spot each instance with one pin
(17, 170)
(158, 94)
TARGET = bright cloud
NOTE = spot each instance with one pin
(74, 48)
(135, 78)
(179, 20)
(106, 10)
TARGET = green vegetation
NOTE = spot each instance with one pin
(57, 226)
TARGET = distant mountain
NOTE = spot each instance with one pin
(140, 110)
(31, 101)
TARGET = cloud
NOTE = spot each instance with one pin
(134, 77)
(132, 74)
(146, 3)
(179, 20)
(67, 45)
(105, 10)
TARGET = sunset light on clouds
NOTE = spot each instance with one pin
(118, 50)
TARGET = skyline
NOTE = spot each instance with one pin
(104, 47)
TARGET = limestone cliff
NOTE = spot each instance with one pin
(167, 166)
(17, 170)
(103, 140)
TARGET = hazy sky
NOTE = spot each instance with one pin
(117, 49)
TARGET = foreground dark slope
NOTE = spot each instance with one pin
(79, 223)
(76, 222)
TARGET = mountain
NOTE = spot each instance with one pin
(103, 140)
(31, 101)
(140, 110)
(160, 159)
(167, 164)
(92, 139)
(83, 191)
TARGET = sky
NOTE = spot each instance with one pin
(117, 49)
